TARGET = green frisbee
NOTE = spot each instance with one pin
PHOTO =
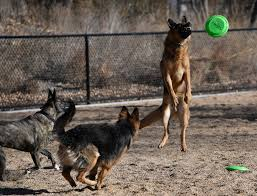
(217, 26)
(237, 168)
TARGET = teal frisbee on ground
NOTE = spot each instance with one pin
(217, 26)
(237, 168)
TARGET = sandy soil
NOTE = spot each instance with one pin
(222, 132)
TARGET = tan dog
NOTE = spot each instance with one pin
(175, 71)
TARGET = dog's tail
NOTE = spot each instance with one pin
(151, 118)
(64, 119)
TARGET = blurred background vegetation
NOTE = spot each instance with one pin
(19, 17)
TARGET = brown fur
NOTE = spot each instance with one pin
(88, 147)
(175, 70)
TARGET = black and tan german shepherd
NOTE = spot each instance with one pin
(88, 147)
(30, 134)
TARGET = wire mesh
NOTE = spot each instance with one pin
(127, 66)
(29, 66)
(224, 64)
(121, 66)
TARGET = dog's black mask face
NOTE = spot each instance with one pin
(183, 28)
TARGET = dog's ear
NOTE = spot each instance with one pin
(185, 23)
(50, 94)
(124, 114)
(171, 23)
(184, 20)
(54, 95)
(188, 24)
(135, 114)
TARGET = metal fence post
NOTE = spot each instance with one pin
(87, 68)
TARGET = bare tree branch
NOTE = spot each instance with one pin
(253, 15)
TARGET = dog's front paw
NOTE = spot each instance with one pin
(73, 184)
(183, 148)
(161, 145)
(28, 171)
(175, 103)
(188, 98)
(57, 167)
(98, 186)
(164, 141)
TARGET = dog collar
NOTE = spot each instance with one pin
(46, 115)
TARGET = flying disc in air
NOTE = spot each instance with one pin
(217, 26)
(237, 168)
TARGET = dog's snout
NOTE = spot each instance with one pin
(186, 30)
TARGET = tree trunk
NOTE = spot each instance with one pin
(254, 14)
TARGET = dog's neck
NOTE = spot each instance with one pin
(47, 115)
(175, 44)
(174, 49)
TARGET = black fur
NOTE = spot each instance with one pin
(105, 139)
(108, 138)
(30, 134)
(64, 119)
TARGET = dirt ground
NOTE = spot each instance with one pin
(222, 132)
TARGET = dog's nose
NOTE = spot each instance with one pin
(188, 28)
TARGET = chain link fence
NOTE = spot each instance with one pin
(96, 68)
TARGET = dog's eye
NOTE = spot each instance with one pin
(188, 24)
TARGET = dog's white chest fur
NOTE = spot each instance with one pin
(179, 73)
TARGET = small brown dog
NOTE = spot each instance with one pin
(175, 71)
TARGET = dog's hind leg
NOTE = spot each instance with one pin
(35, 158)
(66, 174)
(101, 176)
(158, 113)
(92, 154)
(183, 114)
(2, 164)
(50, 157)
(166, 112)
